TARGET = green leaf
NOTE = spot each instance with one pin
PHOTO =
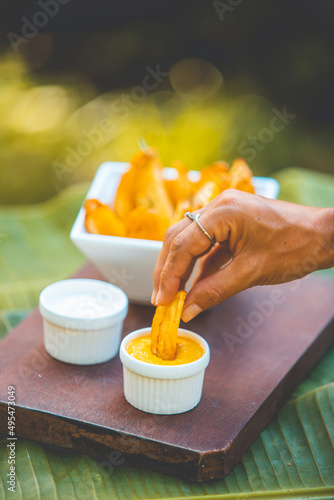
(35, 249)
(10, 318)
(292, 458)
(306, 187)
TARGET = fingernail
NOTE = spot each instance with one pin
(190, 312)
(157, 299)
(153, 297)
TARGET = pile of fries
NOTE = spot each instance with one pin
(147, 203)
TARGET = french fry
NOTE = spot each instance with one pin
(205, 194)
(215, 178)
(146, 223)
(100, 219)
(165, 326)
(182, 207)
(241, 176)
(180, 188)
(217, 172)
(125, 196)
(150, 191)
(124, 199)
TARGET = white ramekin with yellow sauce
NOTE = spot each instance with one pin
(168, 387)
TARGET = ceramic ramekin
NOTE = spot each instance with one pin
(82, 320)
(161, 389)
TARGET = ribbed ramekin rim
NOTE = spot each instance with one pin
(163, 371)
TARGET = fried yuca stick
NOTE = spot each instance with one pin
(165, 326)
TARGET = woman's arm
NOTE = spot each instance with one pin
(258, 242)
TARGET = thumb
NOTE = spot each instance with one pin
(217, 287)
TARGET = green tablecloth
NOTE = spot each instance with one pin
(292, 458)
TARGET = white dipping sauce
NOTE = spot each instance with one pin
(86, 305)
(82, 320)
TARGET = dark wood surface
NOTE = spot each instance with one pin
(251, 374)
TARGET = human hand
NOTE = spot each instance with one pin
(258, 242)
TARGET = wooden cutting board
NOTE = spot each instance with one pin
(263, 343)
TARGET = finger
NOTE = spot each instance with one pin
(187, 274)
(169, 236)
(188, 245)
(216, 288)
(212, 262)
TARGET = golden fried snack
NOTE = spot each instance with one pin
(214, 180)
(217, 172)
(182, 207)
(205, 193)
(100, 219)
(180, 188)
(124, 199)
(146, 223)
(165, 326)
(241, 176)
(150, 191)
(146, 203)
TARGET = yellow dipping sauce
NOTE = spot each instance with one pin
(187, 350)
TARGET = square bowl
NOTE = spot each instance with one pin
(128, 262)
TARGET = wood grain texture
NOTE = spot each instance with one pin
(263, 342)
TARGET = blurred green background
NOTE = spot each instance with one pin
(201, 81)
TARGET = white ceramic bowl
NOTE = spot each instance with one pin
(82, 320)
(128, 262)
(162, 389)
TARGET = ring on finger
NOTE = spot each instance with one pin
(195, 218)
